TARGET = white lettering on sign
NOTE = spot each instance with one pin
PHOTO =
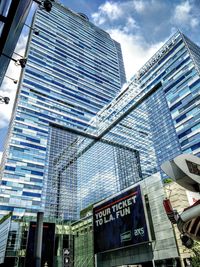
(115, 211)
(156, 57)
(139, 231)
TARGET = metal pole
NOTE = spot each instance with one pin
(38, 239)
(153, 248)
(95, 260)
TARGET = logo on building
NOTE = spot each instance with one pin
(139, 232)
(127, 236)
(163, 50)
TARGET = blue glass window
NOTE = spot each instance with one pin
(29, 194)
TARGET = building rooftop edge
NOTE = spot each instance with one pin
(79, 14)
(159, 54)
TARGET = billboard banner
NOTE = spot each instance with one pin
(120, 221)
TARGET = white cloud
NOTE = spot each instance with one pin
(108, 11)
(112, 10)
(119, 19)
(130, 25)
(139, 5)
(8, 88)
(194, 22)
(98, 19)
(135, 50)
(184, 14)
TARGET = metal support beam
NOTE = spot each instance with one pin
(9, 57)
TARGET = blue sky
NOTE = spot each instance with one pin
(141, 26)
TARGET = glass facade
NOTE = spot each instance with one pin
(173, 74)
(83, 243)
(73, 70)
(100, 165)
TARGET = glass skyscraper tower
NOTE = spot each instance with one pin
(73, 69)
(171, 78)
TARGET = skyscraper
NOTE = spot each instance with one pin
(73, 69)
(171, 79)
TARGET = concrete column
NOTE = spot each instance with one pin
(38, 239)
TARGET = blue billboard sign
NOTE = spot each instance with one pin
(120, 221)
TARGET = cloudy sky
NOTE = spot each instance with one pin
(141, 26)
